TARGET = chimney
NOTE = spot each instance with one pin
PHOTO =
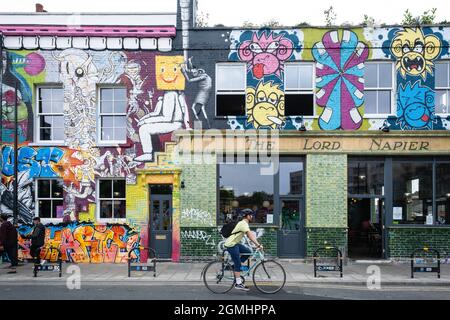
(40, 8)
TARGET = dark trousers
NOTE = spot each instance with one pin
(11, 251)
(35, 252)
(235, 253)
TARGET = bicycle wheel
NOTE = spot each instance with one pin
(218, 277)
(269, 276)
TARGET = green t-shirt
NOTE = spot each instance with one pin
(239, 231)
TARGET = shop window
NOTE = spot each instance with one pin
(442, 76)
(230, 89)
(111, 198)
(238, 192)
(299, 89)
(378, 88)
(443, 193)
(291, 178)
(50, 115)
(365, 177)
(113, 116)
(49, 197)
(413, 192)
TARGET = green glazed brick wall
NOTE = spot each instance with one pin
(402, 241)
(198, 198)
(203, 243)
(326, 190)
(321, 237)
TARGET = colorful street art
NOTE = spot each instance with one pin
(340, 58)
(85, 242)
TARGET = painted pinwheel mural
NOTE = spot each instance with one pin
(340, 58)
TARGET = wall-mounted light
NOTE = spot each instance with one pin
(182, 186)
(302, 126)
(385, 127)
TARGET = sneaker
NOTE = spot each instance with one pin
(242, 287)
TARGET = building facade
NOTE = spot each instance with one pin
(151, 132)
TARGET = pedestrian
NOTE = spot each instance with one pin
(37, 237)
(8, 241)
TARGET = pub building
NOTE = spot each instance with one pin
(148, 130)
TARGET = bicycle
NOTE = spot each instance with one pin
(218, 276)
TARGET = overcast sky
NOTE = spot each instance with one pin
(235, 12)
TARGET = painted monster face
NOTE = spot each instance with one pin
(417, 115)
(168, 73)
(265, 105)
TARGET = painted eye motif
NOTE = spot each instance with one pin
(79, 72)
(262, 97)
(163, 70)
(406, 48)
(254, 47)
(418, 48)
(175, 69)
(273, 47)
(273, 98)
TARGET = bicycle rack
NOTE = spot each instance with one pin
(415, 267)
(139, 267)
(328, 267)
(57, 266)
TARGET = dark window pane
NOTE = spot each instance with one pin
(231, 105)
(45, 94)
(290, 215)
(57, 189)
(238, 194)
(443, 193)
(412, 192)
(105, 189)
(299, 105)
(119, 209)
(43, 190)
(46, 121)
(46, 134)
(106, 209)
(119, 189)
(365, 177)
(45, 208)
(57, 209)
(291, 178)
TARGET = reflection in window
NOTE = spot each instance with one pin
(291, 178)
(413, 191)
(443, 193)
(50, 198)
(242, 186)
(365, 177)
(112, 199)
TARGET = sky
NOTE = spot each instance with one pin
(235, 12)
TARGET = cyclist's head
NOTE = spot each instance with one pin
(248, 214)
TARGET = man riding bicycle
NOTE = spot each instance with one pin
(235, 248)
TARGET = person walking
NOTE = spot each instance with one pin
(37, 237)
(9, 241)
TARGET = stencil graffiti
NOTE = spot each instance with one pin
(340, 58)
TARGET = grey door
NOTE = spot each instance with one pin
(161, 225)
(291, 234)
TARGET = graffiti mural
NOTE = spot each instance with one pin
(85, 242)
(340, 58)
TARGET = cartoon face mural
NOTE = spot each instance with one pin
(340, 58)
(265, 53)
(265, 105)
(415, 52)
(168, 73)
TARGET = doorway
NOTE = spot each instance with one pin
(291, 233)
(366, 228)
(161, 220)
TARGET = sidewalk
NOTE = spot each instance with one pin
(298, 272)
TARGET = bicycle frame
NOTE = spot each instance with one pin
(258, 255)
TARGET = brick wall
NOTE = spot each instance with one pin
(321, 237)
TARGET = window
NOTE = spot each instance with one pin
(299, 89)
(113, 117)
(442, 85)
(49, 198)
(230, 89)
(291, 178)
(443, 193)
(50, 114)
(365, 177)
(111, 199)
(378, 88)
(237, 194)
(413, 192)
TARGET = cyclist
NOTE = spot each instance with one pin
(235, 248)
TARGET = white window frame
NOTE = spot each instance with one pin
(101, 142)
(392, 89)
(98, 199)
(231, 91)
(37, 117)
(36, 200)
(447, 62)
(302, 91)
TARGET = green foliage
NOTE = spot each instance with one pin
(427, 17)
(330, 16)
(202, 20)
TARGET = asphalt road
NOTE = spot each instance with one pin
(130, 291)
